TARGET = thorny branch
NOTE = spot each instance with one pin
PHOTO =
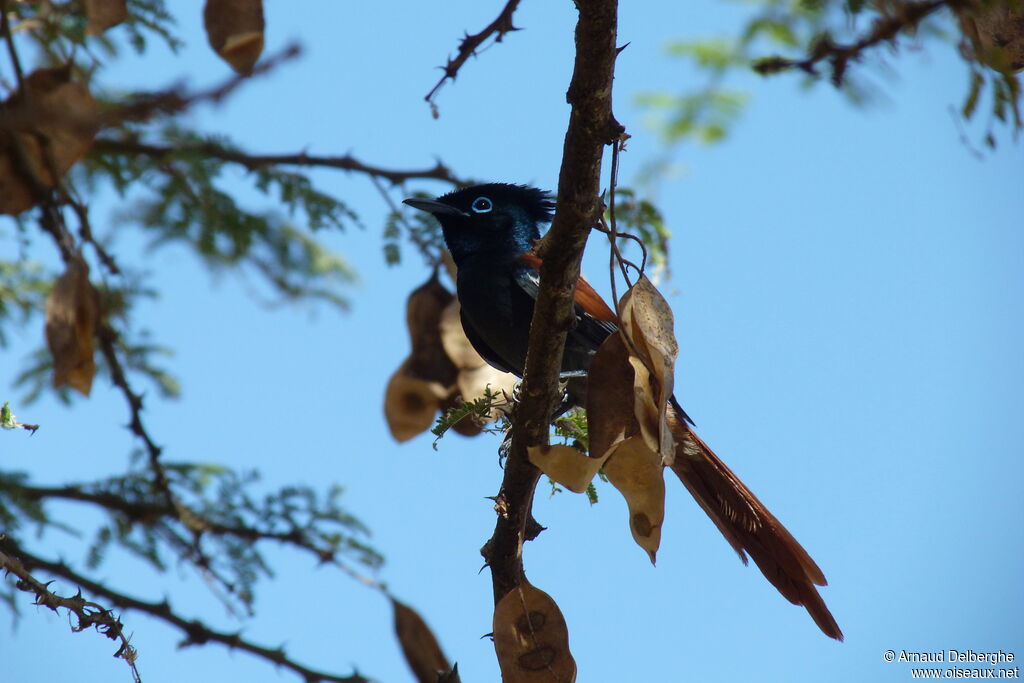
(174, 100)
(52, 203)
(468, 47)
(88, 614)
(149, 512)
(145, 106)
(591, 127)
(195, 631)
(132, 146)
(52, 221)
(192, 549)
(85, 232)
(901, 17)
(129, 146)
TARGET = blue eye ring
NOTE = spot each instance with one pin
(481, 205)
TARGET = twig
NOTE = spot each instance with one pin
(88, 614)
(611, 229)
(149, 512)
(591, 127)
(468, 47)
(126, 146)
(901, 17)
(174, 100)
(196, 632)
(161, 485)
(171, 101)
(53, 222)
(85, 231)
(108, 340)
(5, 30)
(433, 255)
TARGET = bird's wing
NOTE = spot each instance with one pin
(481, 347)
(586, 297)
(595, 319)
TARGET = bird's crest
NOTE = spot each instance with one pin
(539, 204)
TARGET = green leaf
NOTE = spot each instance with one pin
(480, 409)
(971, 103)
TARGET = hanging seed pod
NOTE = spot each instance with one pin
(104, 14)
(423, 312)
(49, 125)
(427, 377)
(72, 318)
(422, 652)
(531, 638)
(996, 31)
(235, 31)
(411, 403)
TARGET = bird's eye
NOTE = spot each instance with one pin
(481, 205)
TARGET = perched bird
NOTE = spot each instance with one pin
(490, 231)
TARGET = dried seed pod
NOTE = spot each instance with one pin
(638, 473)
(531, 638)
(235, 31)
(410, 403)
(648, 323)
(422, 652)
(49, 125)
(423, 311)
(996, 31)
(454, 339)
(72, 319)
(104, 14)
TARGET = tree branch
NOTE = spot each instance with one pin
(150, 512)
(52, 221)
(129, 146)
(591, 127)
(468, 47)
(87, 613)
(108, 346)
(193, 550)
(196, 632)
(902, 17)
(175, 101)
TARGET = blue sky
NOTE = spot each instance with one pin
(846, 285)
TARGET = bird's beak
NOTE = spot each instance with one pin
(434, 207)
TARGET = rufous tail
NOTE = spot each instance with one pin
(748, 526)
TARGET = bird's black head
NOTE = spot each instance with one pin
(496, 218)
